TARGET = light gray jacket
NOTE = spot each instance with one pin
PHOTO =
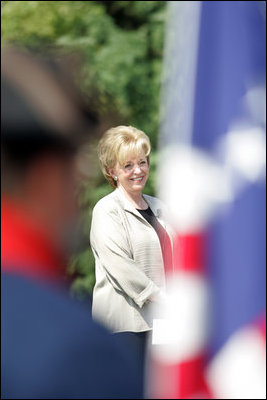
(128, 263)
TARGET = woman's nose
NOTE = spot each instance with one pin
(137, 169)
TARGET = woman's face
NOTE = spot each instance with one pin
(133, 174)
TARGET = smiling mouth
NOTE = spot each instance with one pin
(137, 179)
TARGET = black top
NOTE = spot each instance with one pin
(163, 236)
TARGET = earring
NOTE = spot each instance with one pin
(115, 178)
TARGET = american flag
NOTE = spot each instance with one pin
(211, 342)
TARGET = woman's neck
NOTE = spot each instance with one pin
(135, 198)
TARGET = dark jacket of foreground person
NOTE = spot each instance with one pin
(50, 347)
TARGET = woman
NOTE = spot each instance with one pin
(129, 239)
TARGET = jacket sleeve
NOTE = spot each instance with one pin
(109, 244)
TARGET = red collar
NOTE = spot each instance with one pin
(25, 248)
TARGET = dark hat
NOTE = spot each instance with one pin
(41, 109)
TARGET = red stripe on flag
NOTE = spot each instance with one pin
(192, 384)
(189, 252)
(164, 383)
(184, 380)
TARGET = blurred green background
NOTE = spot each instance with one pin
(121, 45)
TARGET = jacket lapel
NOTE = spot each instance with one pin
(130, 208)
(126, 205)
(158, 212)
(153, 204)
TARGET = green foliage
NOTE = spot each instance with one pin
(121, 44)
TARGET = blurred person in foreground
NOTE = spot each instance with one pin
(50, 346)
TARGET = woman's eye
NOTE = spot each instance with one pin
(127, 166)
(143, 162)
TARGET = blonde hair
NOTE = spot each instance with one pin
(115, 146)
